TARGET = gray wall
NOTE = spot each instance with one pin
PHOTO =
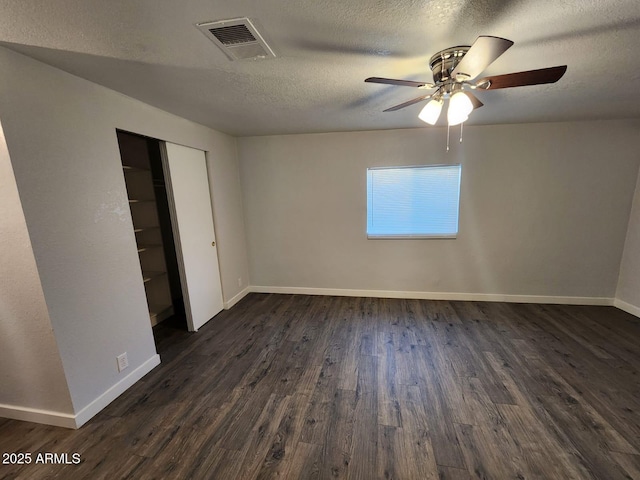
(629, 283)
(61, 135)
(544, 210)
(224, 178)
(31, 373)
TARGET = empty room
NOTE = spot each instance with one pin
(320, 239)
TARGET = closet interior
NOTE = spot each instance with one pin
(148, 201)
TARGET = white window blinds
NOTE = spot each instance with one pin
(413, 202)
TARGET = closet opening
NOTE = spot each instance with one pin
(149, 204)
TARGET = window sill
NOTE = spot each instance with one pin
(412, 237)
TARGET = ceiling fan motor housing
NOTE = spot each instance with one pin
(445, 61)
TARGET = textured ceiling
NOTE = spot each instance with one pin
(150, 50)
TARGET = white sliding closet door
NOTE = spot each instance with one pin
(192, 218)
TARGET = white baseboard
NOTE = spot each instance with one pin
(476, 297)
(48, 417)
(627, 307)
(237, 298)
(84, 415)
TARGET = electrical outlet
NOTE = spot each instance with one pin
(239, 281)
(123, 361)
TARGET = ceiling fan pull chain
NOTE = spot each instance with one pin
(461, 125)
(448, 128)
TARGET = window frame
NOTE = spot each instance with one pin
(404, 236)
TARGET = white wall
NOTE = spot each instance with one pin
(31, 373)
(628, 293)
(544, 210)
(61, 135)
(224, 178)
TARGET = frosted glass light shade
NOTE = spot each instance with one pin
(431, 111)
(460, 107)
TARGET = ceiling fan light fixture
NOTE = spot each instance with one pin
(460, 106)
(431, 111)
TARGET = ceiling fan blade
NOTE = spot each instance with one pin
(484, 51)
(406, 104)
(403, 83)
(474, 100)
(521, 79)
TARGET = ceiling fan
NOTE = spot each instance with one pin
(454, 71)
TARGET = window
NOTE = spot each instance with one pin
(413, 202)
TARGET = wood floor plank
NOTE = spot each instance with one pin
(203, 415)
(244, 413)
(317, 418)
(447, 339)
(285, 439)
(363, 464)
(619, 407)
(441, 311)
(406, 373)
(388, 405)
(490, 453)
(398, 458)
(335, 457)
(475, 405)
(306, 462)
(562, 321)
(439, 414)
(288, 386)
(478, 334)
(542, 453)
(597, 458)
(607, 400)
(369, 332)
(303, 311)
(177, 457)
(348, 366)
(450, 473)
(414, 437)
(332, 319)
(614, 320)
(515, 386)
(259, 440)
(308, 380)
(587, 357)
(629, 463)
(217, 462)
(583, 411)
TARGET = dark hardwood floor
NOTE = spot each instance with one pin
(298, 387)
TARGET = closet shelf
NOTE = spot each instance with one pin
(155, 310)
(145, 229)
(148, 276)
(145, 247)
(157, 313)
(131, 169)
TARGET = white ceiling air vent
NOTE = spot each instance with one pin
(237, 38)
